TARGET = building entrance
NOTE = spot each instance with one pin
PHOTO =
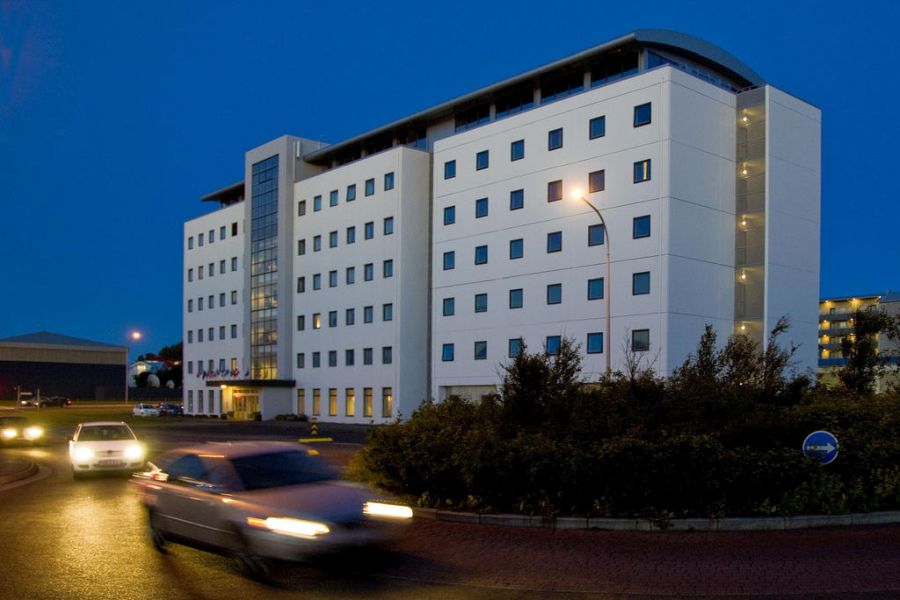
(246, 403)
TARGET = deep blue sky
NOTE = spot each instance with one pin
(115, 117)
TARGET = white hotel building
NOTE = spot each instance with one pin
(623, 197)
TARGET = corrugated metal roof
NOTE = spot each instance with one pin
(48, 338)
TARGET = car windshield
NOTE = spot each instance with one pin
(277, 469)
(105, 433)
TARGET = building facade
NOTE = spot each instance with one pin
(623, 198)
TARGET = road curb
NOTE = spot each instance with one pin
(725, 524)
(16, 470)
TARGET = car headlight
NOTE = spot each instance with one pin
(390, 511)
(9, 433)
(134, 452)
(292, 527)
(82, 454)
(34, 432)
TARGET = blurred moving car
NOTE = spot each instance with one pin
(60, 401)
(170, 409)
(261, 500)
(145, 410)
(99, 446)
(17, 429)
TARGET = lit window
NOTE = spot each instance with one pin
(640, 340)
(597, 127)
(449, 215)
(449, 260)
(596, 235)
(481, 208)
(594, 343)
(554, 293)
(447, 353)
(642, 171)
(517, 150)
(450, 169)
(640, 283)
(597, 181)
(481, 303)
(449, 306)
(516, 298)
(554, 191)
(482, 160)
(350, 401)
(595, 289)
(516, 248)
(516, 199)
(552, 344)
(481, 350)
(554, 139)
(317, 321)
(642, 115)
(641, 227)
(554, 241)
(481, 255)
(387, 402)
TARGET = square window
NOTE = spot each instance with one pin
(450, 169)
(481, 303)
(301, 322)
(389, 181)
(554, 190)
(482, 160)
(481, 255)
(597, 181)
(554, 241)
(481, 208)
(351, 235)
(640, 283)
(551, 345)
(554, 293)
(387, 268)
(317, 281)
(388, 225)
(640, 340)
(447, 353)
(369, 230)
(367, 357)
(317, 203)
(387, 355)
(349, 357)
(368, 271)
(516, 298)
(332, 358)
(516, 199)
(333, 198)
(449, 307)
(317, 243)
(301, 247)
(350, 275)
(350, 316)
(517, 150)
(332, 239)
(387, 312)
(368, 314)
(449, 215)
(595, 343)
(597, 127)
(642, 171)
(370, 187)
(316, 361)
(595, 289)
(641, 227)
(642, 114)
(481, 350)
(332, 318)
(596, 235)
(515, 347)
(332, 278)
(554, 139)
(449, 260)
(351, 192)
(516, 248)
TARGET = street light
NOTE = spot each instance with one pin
(134, 336)
(577, 195)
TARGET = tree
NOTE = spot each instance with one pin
(864, 364)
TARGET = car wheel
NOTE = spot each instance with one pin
(157, 537)
(247, 562)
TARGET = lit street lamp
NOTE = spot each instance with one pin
(134, 336)
(607, 283)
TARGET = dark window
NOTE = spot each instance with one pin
(449, 260)
(641, 227)
(562, 86)
(387, 268)
(351, 235)
(597, 127)
(234, 227)
(317, 243)
(640, 340)
(517, 150)
(332, 318)
(597, 181)
(481, 255)
(554, 241)
(332, 358)
(640, 283)
(368, 272)
(333, 198)
(551, 345)
(388, 225)
(350, 316)
(515, 298)
(389, 181)
(596, 235)
(554, 190)
(449, 215)
(642, 115)
(301, 362)
(515, 347)
(387, 355)
(481, 303)
(447, 353)
(516, 199)
(387, 312)
(514, 102)
(369, 230)
(595, 289)
(350, 276)
(301, 287)
(301, 210)
(351, 192)
(368, 314)
(555, 139)
(317, 203)
(449, 305)
(450, 169)
(367, 356)
(332, 239)
(482, 160)
(301, 247)
(516, 248)
(594, 343)
(481, 208)
(370, 187)
(332, 279)
(642, 171)
(349, 358)
(554, 293)
(481, 350)
(301, 322)
(316, 360)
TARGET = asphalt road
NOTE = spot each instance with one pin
(62, 538)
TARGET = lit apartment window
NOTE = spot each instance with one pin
(332, 239)
(595, 289)
(350, 275)
(514, 347)
(367, 401)
(301, 322)
(642, 115)
(481, 208)
(301, 208)
(554, 139)
(640, 340)
(387, 355)
(516, 199)
(317, 321)
(641, 227)
(481, 303)
(449, 215)
(370, 187)
(480, 350)
(387, 402)
(642, 171)
(351, 235)
(554, 190)
(517, 150)
(367, 356)
(482, 160)
(516, 298)
(317, 402)
(447, 353)
(450, 169)
(333, 198)
(597, 127)
(554, 241)
(317, 281)
(481, 255)
(449, 306)
(387, 312)
(317, 243)
(389, 181)
(351, 192)
(597, 181)
(640, 283)
(449, 260)
(595, 343)
(317, 203)
(554, 293)
(551, 344)
(388, 225)
(369, 230)
(368, 271)
(349, 402)
(387, 268)
(368, 314)
(596, 235)
(350, 316)
(516, 248)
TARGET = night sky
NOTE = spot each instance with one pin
(115, 117)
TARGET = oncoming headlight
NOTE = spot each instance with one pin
(82, 454)
(9, 433)
(292, 527)
(34, 432)
(391, 511)
(134, 452)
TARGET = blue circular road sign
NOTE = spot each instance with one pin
(822, 446)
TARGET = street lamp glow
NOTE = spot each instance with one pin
(136, 335)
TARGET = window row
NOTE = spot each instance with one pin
(368, 354)
(596, 128)
(387, 271)
(211, 334)
(223, 233)
(387, 228)
(211, 301)
(368, 316)
(387, 402)
(211, 271)
(223, 370)
(349, 194)
(593, 344)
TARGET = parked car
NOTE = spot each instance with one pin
(99, 446)
(170, 409)
(145, 410)
(261, 500)
(15, 429)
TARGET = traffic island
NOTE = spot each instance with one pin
(15, 469)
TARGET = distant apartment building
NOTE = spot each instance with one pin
(623, 197)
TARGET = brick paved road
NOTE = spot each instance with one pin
(833, 561)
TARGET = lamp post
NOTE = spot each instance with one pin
(607, 280)
(134, 336)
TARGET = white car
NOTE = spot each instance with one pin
(105, 446)
(145, 410)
